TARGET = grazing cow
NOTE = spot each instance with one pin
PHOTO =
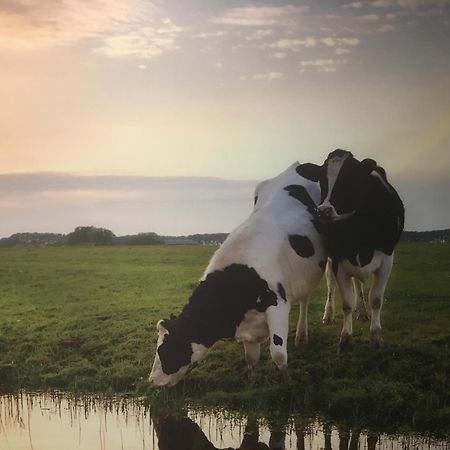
(274, 259)
(365, 219)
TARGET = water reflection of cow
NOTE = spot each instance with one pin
(182, 433)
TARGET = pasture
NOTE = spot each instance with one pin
(83, 319)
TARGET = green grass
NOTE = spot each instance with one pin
(83, 318)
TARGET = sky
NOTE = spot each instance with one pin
(163, 115)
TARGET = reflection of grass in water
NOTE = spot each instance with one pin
(83, 319)
(176, 428)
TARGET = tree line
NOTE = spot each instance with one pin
(90, 235)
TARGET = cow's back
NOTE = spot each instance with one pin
(270, 240)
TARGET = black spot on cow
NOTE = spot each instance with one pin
(255, 199)
(282, 292)
(301, 245)
(301, 194)
(366, 256)
(214, 311)
(309, 171)
(174, 353)
(322, 264)
(277, 340)
(378, 213)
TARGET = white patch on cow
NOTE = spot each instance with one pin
(159, 378)
(334, 166)
(199, 351)
(375, 174)
(253, 328)
(363, 273)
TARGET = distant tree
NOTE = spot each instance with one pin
(145, 239)
(204, 238)
(32, 239)
(90, 235)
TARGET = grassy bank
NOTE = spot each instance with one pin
(83, 319)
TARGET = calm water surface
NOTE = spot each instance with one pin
(59, 421)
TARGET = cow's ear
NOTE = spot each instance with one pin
(368, 165)
(161, 327)
(310, 171)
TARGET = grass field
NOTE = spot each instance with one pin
(83, 318)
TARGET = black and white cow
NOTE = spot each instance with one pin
(365, 219)
(274, 259)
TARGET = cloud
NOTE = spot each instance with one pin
(280, 55)
(318, 62)
(209, 34)
(340, 42)
(381, 3)
(260, 34)
(270, 76)
(410, 4)
(370, 18)
(342, 51)
(260, 15)
(385, 28)
(295, 44)
(353, 5)
(142, 43)
(327, 65)
(131, 28)
(45, 23)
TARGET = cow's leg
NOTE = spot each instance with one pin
(344, 282)
(301, 334)
(381, 277)
(278, 323)
(330, 305)
(361, 312)
(252, 355)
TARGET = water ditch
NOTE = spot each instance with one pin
(55, 420)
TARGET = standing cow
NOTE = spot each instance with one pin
(274, 259)
(365, 219)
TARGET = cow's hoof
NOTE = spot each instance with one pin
(327, 320)
(362, 316)
(300, 339)
(376, 338)
(345, 343)
(251, 375)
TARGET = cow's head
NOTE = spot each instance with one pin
(341, 179)
(175, 354)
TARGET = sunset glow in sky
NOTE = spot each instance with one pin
(99, 97)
